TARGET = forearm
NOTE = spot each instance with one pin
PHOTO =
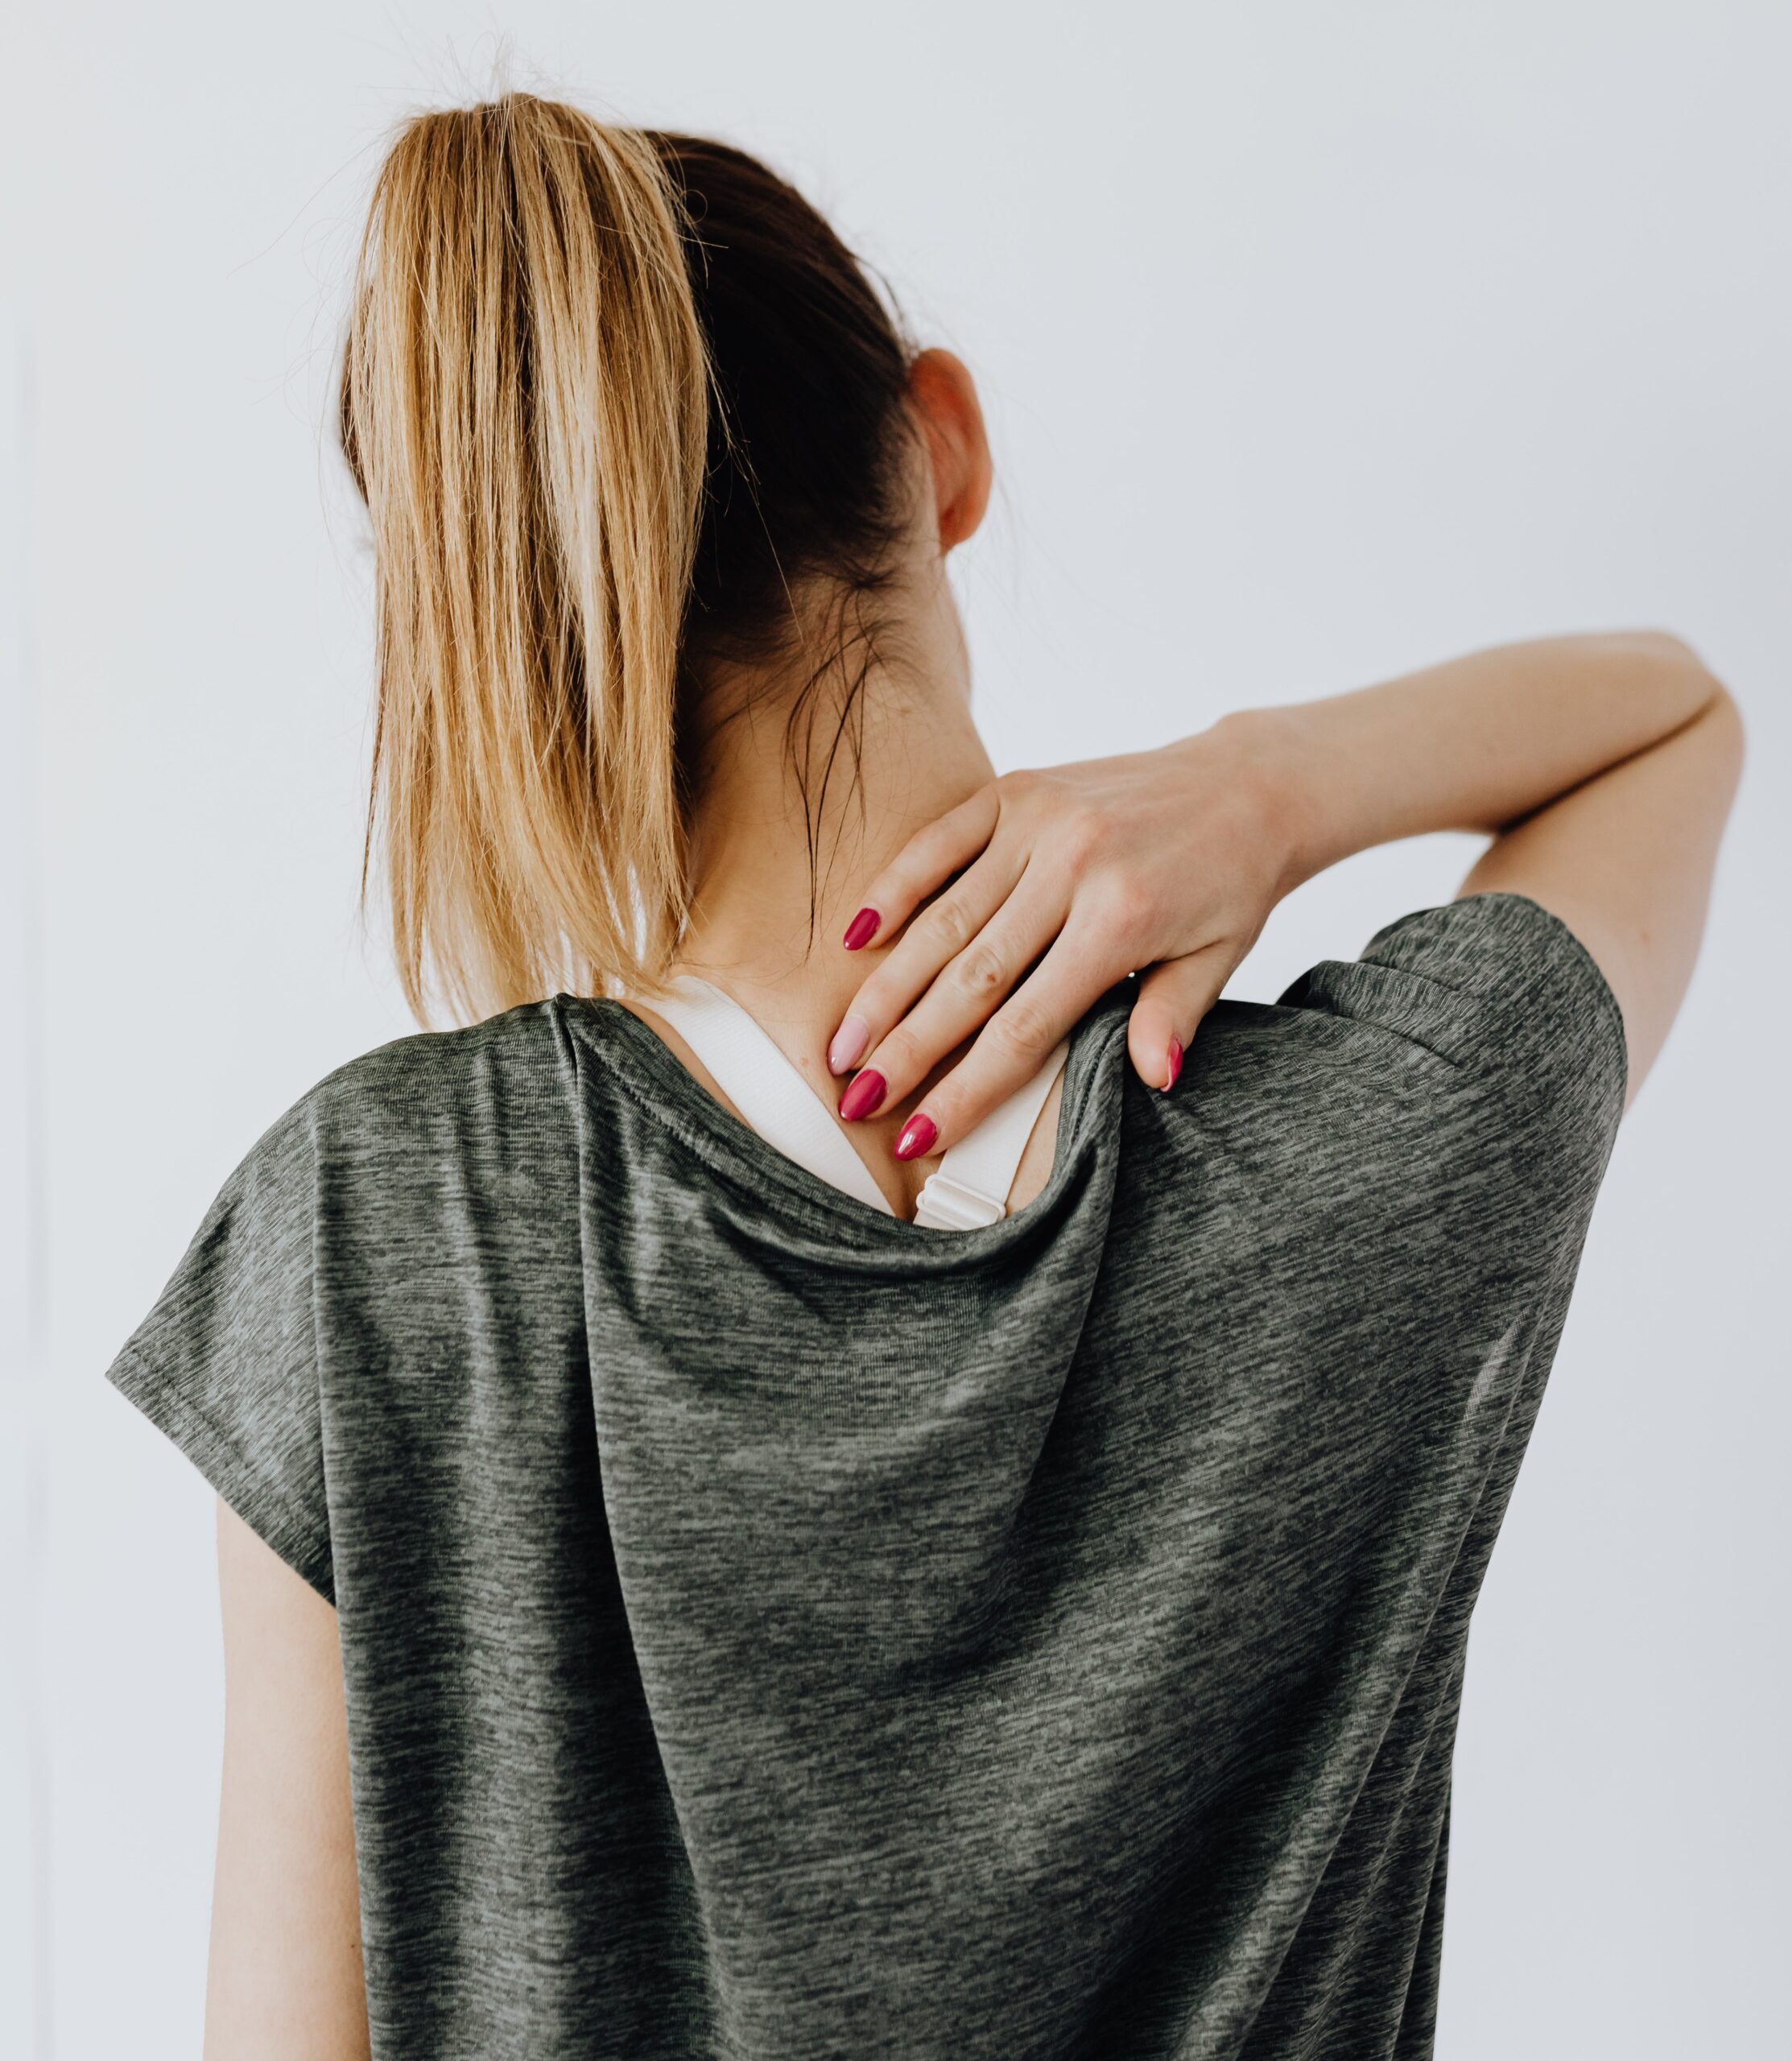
(1480, 743)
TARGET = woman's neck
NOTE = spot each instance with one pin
(778, 879)
(772, 898)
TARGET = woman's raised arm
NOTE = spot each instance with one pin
(1603, 766)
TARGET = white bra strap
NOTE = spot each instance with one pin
(771, 1093)
(969, 1187)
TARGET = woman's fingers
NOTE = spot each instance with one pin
(1020, 1037)
(1172, 1000)
(1041, 890)
(953, 927)
(929, 859)
(958, 1002)
(1009, 1049)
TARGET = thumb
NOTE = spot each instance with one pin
(1172, 1000)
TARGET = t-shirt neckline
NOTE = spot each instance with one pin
(645, 1068)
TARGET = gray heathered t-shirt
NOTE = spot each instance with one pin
(773, 1630)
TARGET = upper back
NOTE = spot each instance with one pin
(749, 1601)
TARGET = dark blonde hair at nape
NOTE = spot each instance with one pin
(609, 395)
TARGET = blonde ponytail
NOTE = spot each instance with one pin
(525, 407)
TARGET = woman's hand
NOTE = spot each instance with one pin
(1047, 888)
(1601, 766)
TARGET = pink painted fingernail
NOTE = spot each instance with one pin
(862, 929)
(848, 1045)
(864, 1092)
(1175, 1065)
(918, 1136)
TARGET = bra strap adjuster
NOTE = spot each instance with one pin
(947, 1205)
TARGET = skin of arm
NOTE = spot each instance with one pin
(285, 1980)
(1602, 767)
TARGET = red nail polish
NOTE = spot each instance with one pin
(862, 929)
(1175, 1065)
(918, 1136)
(864, 1092)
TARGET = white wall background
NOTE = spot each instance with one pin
(1318, 341)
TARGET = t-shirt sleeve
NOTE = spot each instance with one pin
(226, 1363)
(1502, 1001)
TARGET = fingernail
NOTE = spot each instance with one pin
(918, 1136)
(864, 1092)
(862, 929)
(1175, 1065)
(848, 1044)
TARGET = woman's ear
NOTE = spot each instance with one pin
(943, 396)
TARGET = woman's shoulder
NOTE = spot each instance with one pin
(417, 1104)
(375, 1150)
(1491, 995)
(1471, 1060)
(422, 1076)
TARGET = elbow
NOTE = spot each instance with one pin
(1666, 647)
(1671, 656)
(1717, 712)
(1666, 644)
(1729, 733)
(1718, 719)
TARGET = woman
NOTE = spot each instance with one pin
(676, 1604)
